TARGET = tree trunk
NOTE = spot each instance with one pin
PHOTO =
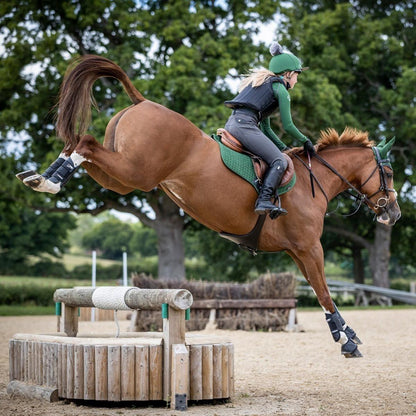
(171, 251)
(380, 256)
(169, 229)
(358, 264)
(169, 225)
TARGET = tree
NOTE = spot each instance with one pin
(179, 52)
(364, 50)
(112, 237)
(143, 241)
(25, 231)
(182, 54)
(224, 260)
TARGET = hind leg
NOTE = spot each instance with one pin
(55, 176)
(128, 168)
(60, 171)
(38, 182)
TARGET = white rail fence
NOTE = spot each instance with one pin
(366, 294)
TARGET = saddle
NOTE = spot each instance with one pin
(259, 165)
(251, 168)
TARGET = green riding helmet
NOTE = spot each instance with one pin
(283, 62)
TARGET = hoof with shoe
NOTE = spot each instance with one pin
(40, 184)
(350, 350)
(355, 354)
(34, 181)
(25, 174)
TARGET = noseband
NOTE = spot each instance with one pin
(383, 202)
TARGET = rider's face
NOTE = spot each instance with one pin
(292, 79)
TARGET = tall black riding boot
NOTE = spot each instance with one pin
(271, 181)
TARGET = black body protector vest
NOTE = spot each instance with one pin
(259, 99)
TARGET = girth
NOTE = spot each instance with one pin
(249, 241)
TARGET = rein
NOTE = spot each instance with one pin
(382, 203)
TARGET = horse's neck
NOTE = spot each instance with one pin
(348, 162)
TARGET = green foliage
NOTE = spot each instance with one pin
(23, 295)
(112, 237)
(26, 231)
(224, 260)
(360, 57)
(31, 310)
(83, 272)
(400, 284)
(143, 241)
(177, 53)
(182, 54)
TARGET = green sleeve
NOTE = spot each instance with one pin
(283, 97)
(267, 130)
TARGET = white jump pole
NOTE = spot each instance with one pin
(124, 268)
(93, 279)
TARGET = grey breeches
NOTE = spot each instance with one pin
(243, 125)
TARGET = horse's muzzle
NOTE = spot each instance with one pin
(390, 214)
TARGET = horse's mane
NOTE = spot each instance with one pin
(349, 137)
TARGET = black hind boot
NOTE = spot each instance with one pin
(271, 181)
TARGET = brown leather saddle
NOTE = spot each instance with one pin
(260, 166)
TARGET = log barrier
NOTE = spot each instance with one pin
(133, 367)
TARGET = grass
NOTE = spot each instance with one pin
(51, 281)
(30, 310)
(71, 260)
(29, 284)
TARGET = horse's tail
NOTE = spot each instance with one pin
(75, 98)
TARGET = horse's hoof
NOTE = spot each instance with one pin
(40, 184)
(357, 340)
(350, 349)
(34, 181)
(25, 174)
(355, 354)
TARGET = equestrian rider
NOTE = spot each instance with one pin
(260, 94)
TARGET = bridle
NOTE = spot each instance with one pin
(384, 201)
(382, 204)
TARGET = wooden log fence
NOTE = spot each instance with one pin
(164, 366)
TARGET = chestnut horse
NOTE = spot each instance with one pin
(147, 145)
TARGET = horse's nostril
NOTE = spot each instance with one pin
(384, 216)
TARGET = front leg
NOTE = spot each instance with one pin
(311, 263)
(343, 334)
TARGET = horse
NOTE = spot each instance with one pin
(147, 145)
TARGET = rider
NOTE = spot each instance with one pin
(260, 94)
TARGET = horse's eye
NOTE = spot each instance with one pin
(389, 175)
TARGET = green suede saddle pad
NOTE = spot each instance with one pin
(242, 165)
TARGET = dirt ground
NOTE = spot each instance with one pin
(280, 373)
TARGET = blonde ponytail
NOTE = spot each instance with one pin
(256, 78)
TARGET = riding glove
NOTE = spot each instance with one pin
(308, 147)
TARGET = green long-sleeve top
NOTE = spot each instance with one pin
(283, 97)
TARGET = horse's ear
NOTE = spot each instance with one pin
(385, 148)
(382, 143)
